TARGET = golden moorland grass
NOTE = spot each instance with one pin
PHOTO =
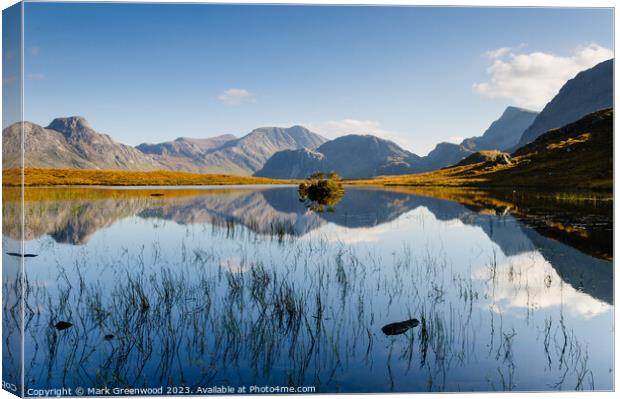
(63, 193)
(82, 177)
(563, 175)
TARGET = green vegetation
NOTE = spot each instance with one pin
(89, 177)
(321, 191)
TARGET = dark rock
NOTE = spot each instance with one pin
(63, 325)
(18, 255)
(399, 328)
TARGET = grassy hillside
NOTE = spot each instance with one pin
(576, 156)
(56, 177)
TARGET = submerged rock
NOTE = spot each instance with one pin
(20, 255)
(400, 327)
(63, 325)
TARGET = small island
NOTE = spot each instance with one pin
(321, 191)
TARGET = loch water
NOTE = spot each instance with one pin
(392, 290)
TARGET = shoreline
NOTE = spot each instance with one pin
(84, 178)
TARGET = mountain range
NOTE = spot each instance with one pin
(296, 152)
(362, 156)
(578, 155)
(350, 156)
(230, 155)
(72, 143)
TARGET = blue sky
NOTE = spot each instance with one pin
(415, 75)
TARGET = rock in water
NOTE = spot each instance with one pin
(400, 327)
(18, 255)
(63, 325)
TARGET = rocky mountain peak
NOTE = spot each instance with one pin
(70, 124)
(512, 110)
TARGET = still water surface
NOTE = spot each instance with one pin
(247, 286)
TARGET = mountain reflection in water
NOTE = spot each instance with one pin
(277, 211)
(253, 287)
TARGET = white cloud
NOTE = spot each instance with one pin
(236, 97)
(502, 51)
(533, 79)
(497, 53)
(529, 281)
(36, 76)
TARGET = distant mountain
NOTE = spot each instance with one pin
(184, 146)
(295, 164)
(501, 135)
(70, 143)
(352, 156)
(576, 156)
(184, 154)
(589, 91)
(230, 155)
(362, 156)
(444, 154)
(249, 153)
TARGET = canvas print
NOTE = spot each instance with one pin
(298, 199)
